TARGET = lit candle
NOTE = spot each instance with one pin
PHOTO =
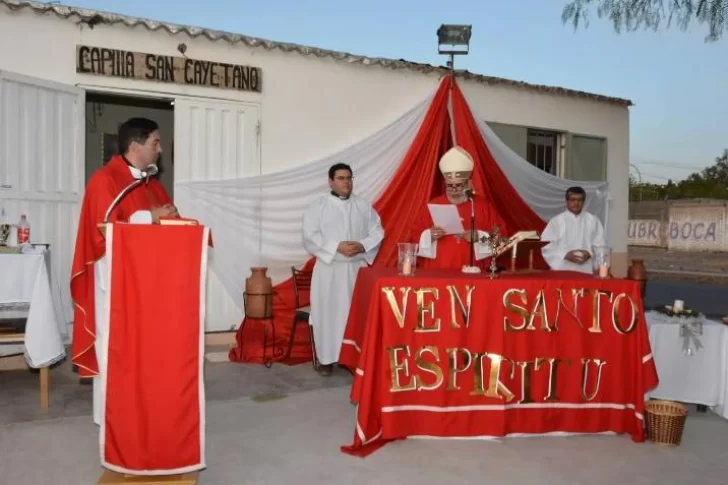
(603, 270)
(678, 306)
(406, 267)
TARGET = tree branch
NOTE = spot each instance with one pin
(632, 15)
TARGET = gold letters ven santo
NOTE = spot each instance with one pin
(520, 316)
(546, 311)
(427, 321)
(430, 310)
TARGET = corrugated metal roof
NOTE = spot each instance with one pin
(94, 17)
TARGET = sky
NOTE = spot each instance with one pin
(677, 81)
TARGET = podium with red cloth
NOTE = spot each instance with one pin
(150, 332)
(446, 354)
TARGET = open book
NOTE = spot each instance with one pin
(177, 221)
(516, 238)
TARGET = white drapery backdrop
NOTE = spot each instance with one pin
(256, 221)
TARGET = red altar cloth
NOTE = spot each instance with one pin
(405, 384)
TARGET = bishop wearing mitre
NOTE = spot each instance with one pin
(437, 249)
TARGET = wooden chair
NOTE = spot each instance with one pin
(302, 282)
(11, 334)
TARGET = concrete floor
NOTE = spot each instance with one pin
(224, 381)
(255, 437)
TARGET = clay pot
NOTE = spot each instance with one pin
(637, 270)
(258, 298)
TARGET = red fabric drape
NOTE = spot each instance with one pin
(461, 412)
(416, 181)
(488, 179)
(412, 186)
(139, 434)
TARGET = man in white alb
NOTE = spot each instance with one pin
(344, 233)
(572, 234)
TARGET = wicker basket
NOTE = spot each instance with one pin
(665, 421)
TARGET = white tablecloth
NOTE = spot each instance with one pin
(24, 278)
(700, 378)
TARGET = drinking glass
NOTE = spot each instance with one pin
(601, 261)
(407, 261)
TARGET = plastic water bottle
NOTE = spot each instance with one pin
(23, 231)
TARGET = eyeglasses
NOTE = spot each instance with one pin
(454, 186)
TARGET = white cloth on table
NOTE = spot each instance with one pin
(25, 279)
(567, 232)
(328, 221)
(700, 378)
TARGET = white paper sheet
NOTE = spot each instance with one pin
(446, 217)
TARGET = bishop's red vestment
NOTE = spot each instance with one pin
(452, 252)
(105, 184)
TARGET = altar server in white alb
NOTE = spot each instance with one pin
(571, 235)
(344, 233)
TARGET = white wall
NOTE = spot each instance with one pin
(312, 107)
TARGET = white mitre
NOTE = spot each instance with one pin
(456, 164)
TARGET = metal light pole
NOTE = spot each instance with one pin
(453, 40)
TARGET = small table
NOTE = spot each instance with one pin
(25, 280)
(700, 378)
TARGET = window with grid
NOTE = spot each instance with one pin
(542, 149)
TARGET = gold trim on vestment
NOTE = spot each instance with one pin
(85, 327)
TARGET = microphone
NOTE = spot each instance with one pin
(151, 170)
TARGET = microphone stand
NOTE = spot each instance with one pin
(151, 170)
(121, 195)
(473, 232)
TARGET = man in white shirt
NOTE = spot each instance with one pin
(571, 235)
(344, 233)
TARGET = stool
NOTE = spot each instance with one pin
(266, 316)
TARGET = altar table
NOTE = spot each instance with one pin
(448, 354)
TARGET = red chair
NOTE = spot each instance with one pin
(302, 283)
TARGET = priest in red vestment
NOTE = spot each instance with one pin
(139, 145)
(438, 249)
